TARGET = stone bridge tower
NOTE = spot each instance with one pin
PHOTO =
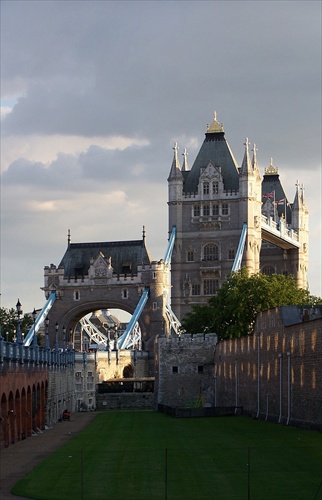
(209, 204)
(106, 275)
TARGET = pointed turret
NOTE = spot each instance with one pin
(246, 167)
(255, 163)
(175, 171)
(297, 204)
(185, 167)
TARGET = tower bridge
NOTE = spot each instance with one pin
(221, 217)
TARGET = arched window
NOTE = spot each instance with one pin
(210, 252)
(268, 270)
(206, 188)
(215, 187)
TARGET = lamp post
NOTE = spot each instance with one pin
(64, 339)
(34, 316)
(70, 339)
(19, 311)
(47, 334)
(56, 337)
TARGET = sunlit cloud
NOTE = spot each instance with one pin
(45, 149)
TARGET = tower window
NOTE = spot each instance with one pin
(125, 294)
(215, 210)
(175, 369)
(206, 188)
(210, 252)
(196, 211)
(190, 256)
(225, 209)
(195, 289)
(206, 210)
(215, 187)
(210, 287)
(231, 253)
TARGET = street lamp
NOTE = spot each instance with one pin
(56, 338)
(64, 339)
(34, 316)
(19, 311)
(70, 339)
(47, 334)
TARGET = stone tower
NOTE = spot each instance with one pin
(209, 204)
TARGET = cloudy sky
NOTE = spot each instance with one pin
(94, 94)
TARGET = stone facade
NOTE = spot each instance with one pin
(185, 370)
(60, 394)
(208, 205)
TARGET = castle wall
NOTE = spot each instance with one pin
(274, 374)
(185, 370)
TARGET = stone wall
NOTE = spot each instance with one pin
(274, 374)
(185, 370)
(61, 393)
(125, 401)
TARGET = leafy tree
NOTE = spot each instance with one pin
(8, 323)
(232, 312)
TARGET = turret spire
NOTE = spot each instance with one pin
(246, 167)
(175, 171)
(185, 167)
(254, 162)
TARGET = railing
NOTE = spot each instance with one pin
(13, 352)
(279, 229)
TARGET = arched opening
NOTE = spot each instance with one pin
(11, 418)
(18, 414)
(23, 409)
(4, 437)
(128, 371)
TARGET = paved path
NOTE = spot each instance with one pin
(20, 458)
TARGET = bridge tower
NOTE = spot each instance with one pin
(209, 204)
(108, 275)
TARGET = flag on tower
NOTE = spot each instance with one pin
(269, 195)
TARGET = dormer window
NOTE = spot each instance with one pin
(206, 188)
(215, 187)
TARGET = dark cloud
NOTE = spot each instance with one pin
(155, 71)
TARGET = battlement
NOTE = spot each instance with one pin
(189, 339)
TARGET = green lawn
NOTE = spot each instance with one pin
(140, 455)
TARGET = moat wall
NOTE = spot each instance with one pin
(274, 374)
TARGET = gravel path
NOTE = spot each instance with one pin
(20, 458)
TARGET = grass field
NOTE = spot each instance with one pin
(142, 455)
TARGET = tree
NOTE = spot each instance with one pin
(232, 312)
(8, 323)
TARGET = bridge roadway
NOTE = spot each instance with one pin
(279, 234)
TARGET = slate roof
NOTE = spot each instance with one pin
(271, 182)
(125, 256)
(215, 149)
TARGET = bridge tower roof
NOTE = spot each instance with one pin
(214, 149)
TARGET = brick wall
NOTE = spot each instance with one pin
(275, 374)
